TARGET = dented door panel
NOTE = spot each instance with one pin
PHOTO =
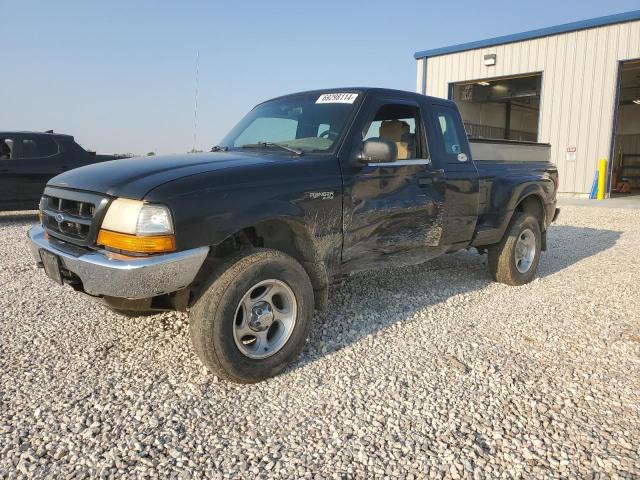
(392, 215)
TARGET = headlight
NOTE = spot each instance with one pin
(154, 220)
(135, 226)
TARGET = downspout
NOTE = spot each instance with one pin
(424, 76)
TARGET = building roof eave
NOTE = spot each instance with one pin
(532, 34)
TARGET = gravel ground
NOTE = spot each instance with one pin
(427, 372)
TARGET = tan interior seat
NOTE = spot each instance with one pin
(397, 131)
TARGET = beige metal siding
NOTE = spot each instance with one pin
(579, 81)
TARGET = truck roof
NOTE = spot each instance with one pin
(355, 90)
(27, 132)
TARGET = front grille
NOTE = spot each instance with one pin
(68, 217)
(71, 216)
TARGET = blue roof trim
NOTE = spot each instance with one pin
(541, 32)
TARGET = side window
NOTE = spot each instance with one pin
(268, 129)
(6, 149)
(37, 147)
(399, 124)
(447, 126)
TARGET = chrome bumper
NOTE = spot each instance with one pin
(104, 273)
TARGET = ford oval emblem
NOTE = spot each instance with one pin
(59, 217)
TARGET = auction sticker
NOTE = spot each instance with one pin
(337, 98)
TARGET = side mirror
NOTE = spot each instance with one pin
(378, 150)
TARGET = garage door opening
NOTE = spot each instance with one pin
(500, 108)
(625, 179)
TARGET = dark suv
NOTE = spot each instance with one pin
(29, 159)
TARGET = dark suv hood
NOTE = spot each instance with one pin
(134, 177)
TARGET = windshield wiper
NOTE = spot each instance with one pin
(219, 148)
(273, 144)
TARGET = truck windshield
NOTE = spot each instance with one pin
(306, 122)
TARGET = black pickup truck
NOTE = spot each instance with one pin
(306, 189)
(29, 159)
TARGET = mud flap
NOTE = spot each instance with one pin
(317, 272)
(321, 299)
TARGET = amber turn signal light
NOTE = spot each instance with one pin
(136, 243)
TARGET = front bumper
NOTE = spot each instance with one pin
(104, 273)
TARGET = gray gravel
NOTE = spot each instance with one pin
(427, 372)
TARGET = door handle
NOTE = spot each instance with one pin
(432, 173)
(427, 178)
(4, 170)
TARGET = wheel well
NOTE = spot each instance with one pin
(533, 206)
(279, 235)
(287, 237)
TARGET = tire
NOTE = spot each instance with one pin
(220, 319)
(506, 262)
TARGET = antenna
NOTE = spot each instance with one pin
(195, 103)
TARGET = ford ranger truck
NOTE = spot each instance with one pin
(306, 189)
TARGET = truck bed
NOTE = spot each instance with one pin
(509, 150)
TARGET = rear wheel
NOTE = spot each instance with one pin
(255, 317)
(514, 260)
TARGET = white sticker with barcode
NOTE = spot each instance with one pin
(337, 98)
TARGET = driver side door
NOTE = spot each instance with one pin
(392, 211)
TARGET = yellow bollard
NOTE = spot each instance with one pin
(602, 177)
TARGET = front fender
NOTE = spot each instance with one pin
(209, 207)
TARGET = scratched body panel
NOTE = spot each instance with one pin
(305, 191)
(460, 208)
(387, 213)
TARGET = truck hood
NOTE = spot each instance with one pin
(135, 177)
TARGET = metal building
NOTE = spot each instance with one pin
(575, 86)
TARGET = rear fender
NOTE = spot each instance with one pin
(508, 198)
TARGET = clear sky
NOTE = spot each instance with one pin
(119, 75)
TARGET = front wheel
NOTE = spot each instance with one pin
(514, 260)
(255, 317)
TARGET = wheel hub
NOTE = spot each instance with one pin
(265, 319)
(525, 250)
(261, 317)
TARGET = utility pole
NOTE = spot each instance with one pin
(195, 103)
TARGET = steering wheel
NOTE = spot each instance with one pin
(329, 134)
